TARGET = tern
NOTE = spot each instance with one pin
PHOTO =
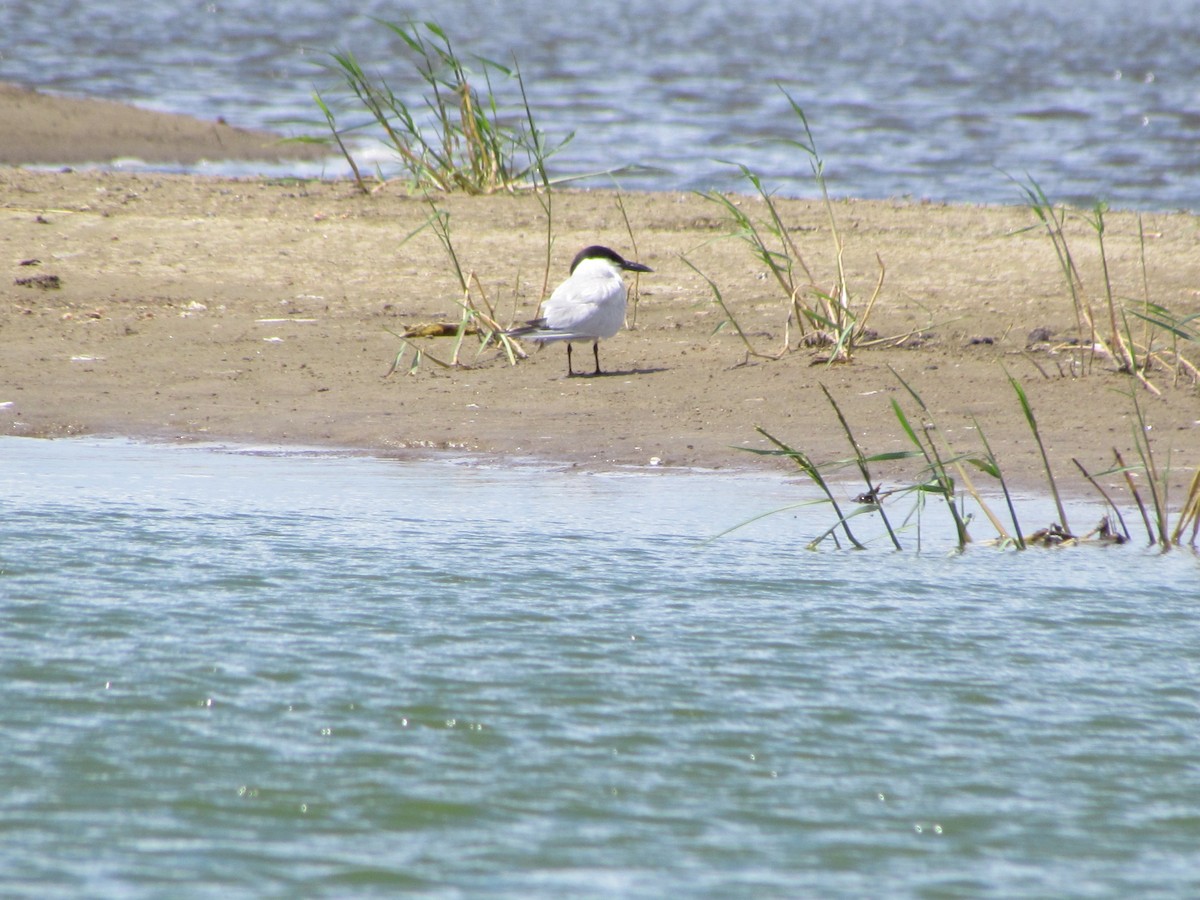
(588, 306)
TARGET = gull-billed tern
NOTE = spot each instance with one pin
(588, 306)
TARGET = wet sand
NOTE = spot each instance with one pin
(47, 129)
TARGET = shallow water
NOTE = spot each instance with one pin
(246, 674)
(939, 99)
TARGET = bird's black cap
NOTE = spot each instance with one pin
(597, 252)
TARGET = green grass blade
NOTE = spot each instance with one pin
(814, 473)
(994, 470)
(1031, 420)
(861, 461)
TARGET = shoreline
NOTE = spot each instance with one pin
(265, 311)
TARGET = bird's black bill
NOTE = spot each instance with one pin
(635, 267)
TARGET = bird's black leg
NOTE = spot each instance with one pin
(596, 353)
(570, 371)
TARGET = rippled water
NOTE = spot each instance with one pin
(929, 98)
(230, 674)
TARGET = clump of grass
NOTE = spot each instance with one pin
(944, 469)
(821, 314)
(936, 478)
(458, 138)
(477, 315)
(1156, 514)
(1108, 333)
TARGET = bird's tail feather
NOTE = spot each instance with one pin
(527, 329)
(537, 331)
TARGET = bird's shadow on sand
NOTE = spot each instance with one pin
(620, 373)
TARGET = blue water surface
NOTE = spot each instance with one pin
(942, 99)
(252, 674)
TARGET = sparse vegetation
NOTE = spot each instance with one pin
(943, 468)
(457, 137)
(476, 314)
(1109, 333)
(823, 315)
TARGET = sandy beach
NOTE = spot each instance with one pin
(194, 308)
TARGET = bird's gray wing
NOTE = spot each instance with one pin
(573, 305)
